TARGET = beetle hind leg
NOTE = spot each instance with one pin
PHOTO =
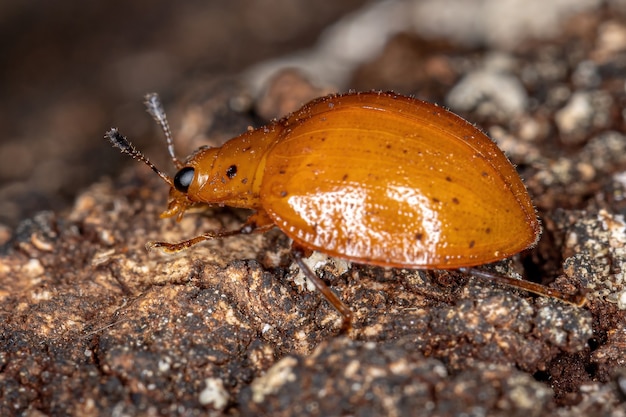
(579, 299)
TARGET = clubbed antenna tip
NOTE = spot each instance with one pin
(155, 109)
(120, 141)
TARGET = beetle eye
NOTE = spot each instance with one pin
(183, 179)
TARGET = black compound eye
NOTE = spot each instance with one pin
(183, 179)
(231, 171)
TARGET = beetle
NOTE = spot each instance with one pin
(375, 178)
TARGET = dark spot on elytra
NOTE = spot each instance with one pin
(484, 174)
(388, 146)
(436, 200)
(345, 177)
(246, 149)
(488, 230)
(231, 171)
(283, 193)
(419, 236)
(455, 200)
(448, 179)
(244, 180)
(282, 171)
(472, 243)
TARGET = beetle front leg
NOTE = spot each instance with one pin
(257, 223)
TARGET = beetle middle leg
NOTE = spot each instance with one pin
(327, 293)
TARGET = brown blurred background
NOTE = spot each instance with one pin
(70, 70)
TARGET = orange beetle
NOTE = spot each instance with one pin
(374, 178)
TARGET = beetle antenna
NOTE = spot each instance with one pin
(155, 108)
(119, 141)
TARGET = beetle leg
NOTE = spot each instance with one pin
(577, 299)
(256, 223)
(329, 295)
